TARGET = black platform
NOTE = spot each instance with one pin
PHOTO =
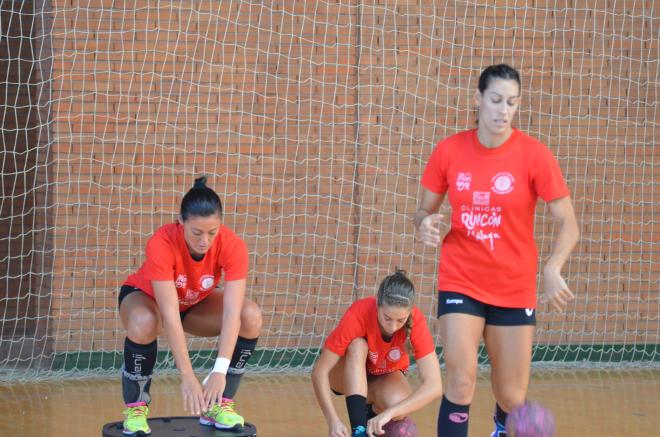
(180, 427)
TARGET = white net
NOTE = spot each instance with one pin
(313, 121)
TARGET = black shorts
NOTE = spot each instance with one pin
(452, 302)
(125, 290)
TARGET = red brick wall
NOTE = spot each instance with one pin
(314, 121)
(25, 250)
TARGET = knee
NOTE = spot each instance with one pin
(393, 398)
(510, 397)
(460, 386)
(356, 354)
(143, 325)
(251, 320)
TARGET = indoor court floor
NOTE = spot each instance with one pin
(585, 403)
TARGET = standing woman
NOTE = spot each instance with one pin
(487, 278)
(365, 359)
(175, 290)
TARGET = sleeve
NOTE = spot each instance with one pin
(234, 258)
(435, 174)
(547, 178)
(420, 336)
(349, 328)
(159, 265)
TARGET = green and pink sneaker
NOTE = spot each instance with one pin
(135, 423)
(223, 416)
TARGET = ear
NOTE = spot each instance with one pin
(477, 98)
(179, 219)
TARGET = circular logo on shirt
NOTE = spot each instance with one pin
(206, 282)
(502, 183)
(394, 354)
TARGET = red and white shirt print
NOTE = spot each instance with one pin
(489, 253)
(168, 258)
(361, 321)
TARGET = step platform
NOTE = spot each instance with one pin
(180, 427)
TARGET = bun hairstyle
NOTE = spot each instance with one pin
(200, 201)
(499, 71)
(397, 290)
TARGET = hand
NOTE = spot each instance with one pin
(193, 397)
(429, 229)
(337, 429)
(556, 292)
(376, 424)
(214, 386)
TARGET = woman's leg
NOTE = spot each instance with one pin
(510, 353)
(461, 334)
(349, 377)
(205, 320)
(387, 390)
(141, 319)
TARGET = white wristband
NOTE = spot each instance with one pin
(221, 365)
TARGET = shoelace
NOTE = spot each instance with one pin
(136, 411)
(227, 407)
(360, 430)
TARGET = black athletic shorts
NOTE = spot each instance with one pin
(452, 302)
(125, 290)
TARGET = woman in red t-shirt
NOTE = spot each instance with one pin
(365, 358)
(175, 290)
(493, 177)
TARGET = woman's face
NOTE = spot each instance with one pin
(199, 232)
(498, 105)
(392, 318)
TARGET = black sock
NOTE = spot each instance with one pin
(500, 421)
(453, 419)
(357, 410)
(240, 357)
(370, 412)
(139, 362)
(500, 415)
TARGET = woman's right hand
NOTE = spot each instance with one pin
(338, 429)
(193, 395)
(429, 229)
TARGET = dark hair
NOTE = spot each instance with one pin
(200, 201)
(499, 71)
(397, 290)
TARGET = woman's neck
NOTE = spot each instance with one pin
(492, 141)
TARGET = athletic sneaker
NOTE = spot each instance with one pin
(500, 430)
(135, 423)
(223, 416)
(359, 431)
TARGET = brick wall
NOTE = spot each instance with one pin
(25, 258)
(314, 122)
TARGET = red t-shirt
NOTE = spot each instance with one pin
(489, 253)
(168, 258)
(361, 320)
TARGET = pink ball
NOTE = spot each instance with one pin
(530, 420)
(401, 428)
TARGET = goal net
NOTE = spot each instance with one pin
(313, 121)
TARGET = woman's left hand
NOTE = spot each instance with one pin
(214, 387)
(556, 292)
(376, 424)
